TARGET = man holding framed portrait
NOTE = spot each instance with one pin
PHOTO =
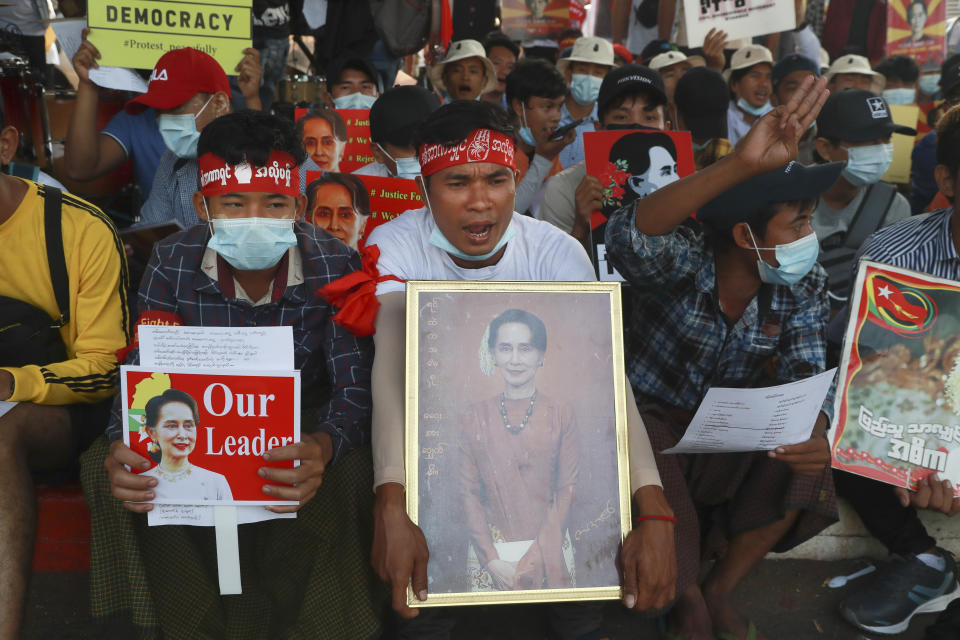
(469, 231)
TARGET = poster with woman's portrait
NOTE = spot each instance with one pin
(205, 433)
(516, 439)
(917, 29)
(630, 165)
(534, 19)
(336, 139)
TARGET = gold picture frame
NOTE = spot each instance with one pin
(582, 515)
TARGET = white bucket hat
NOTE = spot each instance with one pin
(459, 51)
(668, 58)
(856, 64)
(746, 57)
(588, 49)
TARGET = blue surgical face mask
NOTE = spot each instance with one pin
(701, 147)
(866, 165)
(407, 168)
(524, 132)
(179, 131)
(796, 260)
(752, 110)
(930, 84)
(250, 244)
(903, 95)
(584, 88)
(440, 241)
(354, 101)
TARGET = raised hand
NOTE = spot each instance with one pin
(85, 58)
(713, 46)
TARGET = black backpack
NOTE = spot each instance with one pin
(27, 334)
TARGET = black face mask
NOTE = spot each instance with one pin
(620, 126)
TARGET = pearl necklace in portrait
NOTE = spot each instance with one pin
(174, 476)
(526, 418)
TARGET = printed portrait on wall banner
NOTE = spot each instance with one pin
(917, 29)
(516, 467)
(534, 19)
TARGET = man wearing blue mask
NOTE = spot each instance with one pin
(353, 84)
(902, 78)
(584, 69)
(393, 119)
(253, 262)
(749, 80)
(855, 127)
(740, 303)
(189, 90)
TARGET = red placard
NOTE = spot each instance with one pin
(356, 151)
(214, 458)
(629, 170)
(916, 29)
(388, 198)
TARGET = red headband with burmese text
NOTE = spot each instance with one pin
(280, 175)
(483, 145)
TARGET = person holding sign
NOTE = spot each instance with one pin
(393, 119)
(749, 79)
(254, 263)
(721, 307)
(470, 230)
(921, 577)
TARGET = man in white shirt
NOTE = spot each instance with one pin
(470, 231)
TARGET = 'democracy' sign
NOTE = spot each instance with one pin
(136, 33)
(897, 415)
(207, 431)
(739, 18)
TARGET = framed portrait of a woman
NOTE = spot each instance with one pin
(516, 440)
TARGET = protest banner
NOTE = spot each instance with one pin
(630, 165)
(917, 29)
(897, 409)
(136, 33)
(907, 115)
(356, 151)
(535, 19)
(386, 198)
(208, 430)
(739, 18)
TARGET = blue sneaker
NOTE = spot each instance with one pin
(901, 590)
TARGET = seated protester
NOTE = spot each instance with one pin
(323, 134)
(672, 65)
(465, 73)
(631, 97)
(353, 84)
(445, 241)
(722, 307)
(921, 577)
(749, 79)
(923, 184)
(702, 99)
(583, 70)
(132, 135)
(61, 380)
(901, 75)
(189, 90)
(853, 71)
(340, 204)
(393, 119)
(855, 127)
(535, 93)
(218, 274)
(503, 53)
(787, 76)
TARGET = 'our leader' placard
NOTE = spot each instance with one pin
(136, 33)
(205, 432)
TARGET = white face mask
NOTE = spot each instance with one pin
(407, 168)
(354, 101)
(866, 165)
(796, 260)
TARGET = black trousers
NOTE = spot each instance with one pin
(897, 527)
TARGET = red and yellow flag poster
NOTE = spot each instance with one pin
(916, 28)
(535, 19)
(897, 412)
(631, 164)
(354, 153)
(205, 433)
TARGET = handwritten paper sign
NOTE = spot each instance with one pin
(739, 18)
(217, 347)
(136, 33)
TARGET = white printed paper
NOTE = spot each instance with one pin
(5, 407)
(69, 34)
(228, 550)
(738, 18)
(261, 348)
(733, 420)
(118, 78)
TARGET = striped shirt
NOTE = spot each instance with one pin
(922, 243)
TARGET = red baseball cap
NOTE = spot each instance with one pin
(179, 75)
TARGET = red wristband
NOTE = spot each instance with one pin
(640, 519)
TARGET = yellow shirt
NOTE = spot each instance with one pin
(99, 319)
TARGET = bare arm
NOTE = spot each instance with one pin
(666, 15)
(620, 19)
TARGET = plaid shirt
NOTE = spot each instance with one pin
(323, 351)
(682, 344)
(171, 197)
